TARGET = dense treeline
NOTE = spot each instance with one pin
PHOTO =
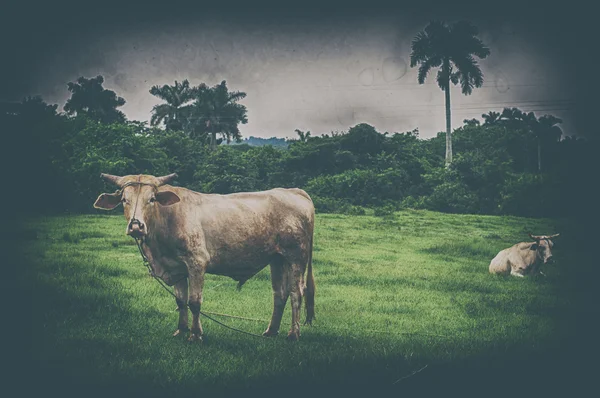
(495, 167)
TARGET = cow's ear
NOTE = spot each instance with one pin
(108, 201)
(534, 246)
(167, 198)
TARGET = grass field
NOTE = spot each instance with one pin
(398, 294)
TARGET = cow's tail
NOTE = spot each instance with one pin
(309, 292)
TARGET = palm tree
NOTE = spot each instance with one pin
(452, 49)
(491, 118)
(546, 129)
(171, 112)
(514, 118)
(472, 122)
(216, 110)
(303, 136)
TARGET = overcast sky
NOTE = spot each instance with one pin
(315, 70)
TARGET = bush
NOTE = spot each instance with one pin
(352, 210)
(94, 148)
(410, 202)
(452, 197)
(361, 187)
(527, 194)
(494, 169)
(332, 205)
(384, 211)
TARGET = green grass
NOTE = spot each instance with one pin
(393, 294)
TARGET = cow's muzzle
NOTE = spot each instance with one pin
(136, 228)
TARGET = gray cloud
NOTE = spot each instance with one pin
(314, 75)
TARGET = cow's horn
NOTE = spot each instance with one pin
(111, 178)
(534, 237)
(553, 236)
(166, 179)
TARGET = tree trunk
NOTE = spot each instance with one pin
(213, 140)
(448, 119)
(213, 135)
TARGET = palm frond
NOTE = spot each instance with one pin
(469, 73)
(429, 43)
(420, 49)
(491, 117)
(161, 92)
(474, 45)
(160, 112)
(426, 66)
(423, 72)
(454, 77)
(443, 76)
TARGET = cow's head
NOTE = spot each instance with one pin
(140, 196)
(543, 246)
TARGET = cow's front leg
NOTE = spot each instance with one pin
(181, 293)
(196, 283)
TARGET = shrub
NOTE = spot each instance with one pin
(452, 197)
(361, 187)
(410, 202)
(527, 194)
(384, 211)
(332, 205)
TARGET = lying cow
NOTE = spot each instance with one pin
(186, 234)
(524, 258)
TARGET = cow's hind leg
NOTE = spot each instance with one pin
(181, 293)
(280, 294)
(296, 283)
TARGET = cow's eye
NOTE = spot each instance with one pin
(152, 199)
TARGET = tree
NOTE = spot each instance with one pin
(172, 113)
(363, 140)
(452, 49)
(303, 136)
(491, 118)
(514, 118)
(89, 98)
(546, 129)
(34, 134)
(216, 110)
(471, 122)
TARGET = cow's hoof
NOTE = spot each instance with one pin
(269, 333)
(180, 332)
(293, 336)
(195, 338)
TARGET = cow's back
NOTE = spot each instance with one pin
(240, 232)
(266, 210)
(207, 211)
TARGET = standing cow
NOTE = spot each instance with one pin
(186, 234)
(524, 258)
